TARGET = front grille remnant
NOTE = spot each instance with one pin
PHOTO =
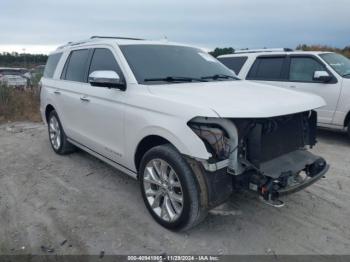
(262, 140)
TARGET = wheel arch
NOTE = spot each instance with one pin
(347, 119)
(146, 144)
(48, 109)
(184, 140)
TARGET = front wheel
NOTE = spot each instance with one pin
(169, 189)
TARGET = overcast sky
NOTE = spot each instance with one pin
(41, 25)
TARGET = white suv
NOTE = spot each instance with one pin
(180, 122)
(323, 73)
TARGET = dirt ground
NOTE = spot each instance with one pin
(76, 204)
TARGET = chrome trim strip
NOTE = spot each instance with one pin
(105, 159)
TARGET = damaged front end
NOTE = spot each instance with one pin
(267, 155)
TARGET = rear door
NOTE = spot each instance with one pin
(73, 85)
(301, 69)
(269, 69)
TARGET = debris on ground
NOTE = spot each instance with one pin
(63, 242)
(47, 249)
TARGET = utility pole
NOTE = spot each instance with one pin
(24, 57)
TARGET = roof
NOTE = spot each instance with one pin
(117, 41)
(273, 52)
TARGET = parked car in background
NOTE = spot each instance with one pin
(179, 121)
(325, 74)
(15, 77)
(38, 70)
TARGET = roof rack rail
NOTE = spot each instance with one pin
(72, 44)
(96, 37)
(245, 51)
(116, 37)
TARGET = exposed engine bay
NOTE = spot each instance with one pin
(267, 155)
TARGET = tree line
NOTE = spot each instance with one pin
(31, 60)
(21, 60)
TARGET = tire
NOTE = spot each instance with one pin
(348, 129)
(57, 136)
(181, 185)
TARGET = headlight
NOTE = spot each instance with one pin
(214, 138)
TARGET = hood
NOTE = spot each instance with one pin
(239, 99)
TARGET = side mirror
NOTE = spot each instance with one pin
(108, 79)
(322, 76)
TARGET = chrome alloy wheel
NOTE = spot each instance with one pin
(55, 133)
(163, 190)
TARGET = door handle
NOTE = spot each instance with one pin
(85, 99)
(57, 92)
(292, 86)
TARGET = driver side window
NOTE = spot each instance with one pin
(302, 69)
(103, 60)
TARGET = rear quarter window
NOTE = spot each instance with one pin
(234, 63)
(51, 65)
(267, 68)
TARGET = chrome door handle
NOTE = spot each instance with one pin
(57, 92)
(85, 99)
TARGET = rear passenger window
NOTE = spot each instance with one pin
(267, 68)
(234, 63)
(51, 65)
(103, 59)
(76, 66)
(302, 69)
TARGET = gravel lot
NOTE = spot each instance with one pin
(46, 199)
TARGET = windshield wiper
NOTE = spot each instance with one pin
(347, 74)
(220, 76)
(175, 79)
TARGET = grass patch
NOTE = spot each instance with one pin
(17, 105)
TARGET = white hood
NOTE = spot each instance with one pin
(239, 99)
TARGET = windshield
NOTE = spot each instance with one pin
(157, 64)
(339, 63)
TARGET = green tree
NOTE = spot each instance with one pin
(222, 51)
(344, 51)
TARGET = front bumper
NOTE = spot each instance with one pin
(286, 174)
(281, 176)
(304, 184)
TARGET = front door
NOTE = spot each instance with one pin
(301, 77)
(103, 110)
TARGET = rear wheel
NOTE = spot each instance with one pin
(349, 129)
(58, 138)
(169, 189)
